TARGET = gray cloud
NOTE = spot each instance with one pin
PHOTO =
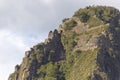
(34, 16)
(38, 16)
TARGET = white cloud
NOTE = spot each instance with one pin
(46, 1)
(7, 68)
(12, 48)
(11, 38)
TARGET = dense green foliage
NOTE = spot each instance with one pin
(50, 71)
(103, 13)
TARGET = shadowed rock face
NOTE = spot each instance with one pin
(109, 54)
(52, 50)
(83, 48)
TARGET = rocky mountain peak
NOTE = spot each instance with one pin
(85, 47)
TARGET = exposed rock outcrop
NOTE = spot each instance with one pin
(42, 53)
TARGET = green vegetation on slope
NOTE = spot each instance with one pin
(97, 15)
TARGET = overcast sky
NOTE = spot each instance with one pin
(24, 23)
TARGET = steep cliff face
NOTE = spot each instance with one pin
(50, 51)
(85, 47)
(108, 57)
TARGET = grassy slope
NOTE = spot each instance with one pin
(84, 65)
